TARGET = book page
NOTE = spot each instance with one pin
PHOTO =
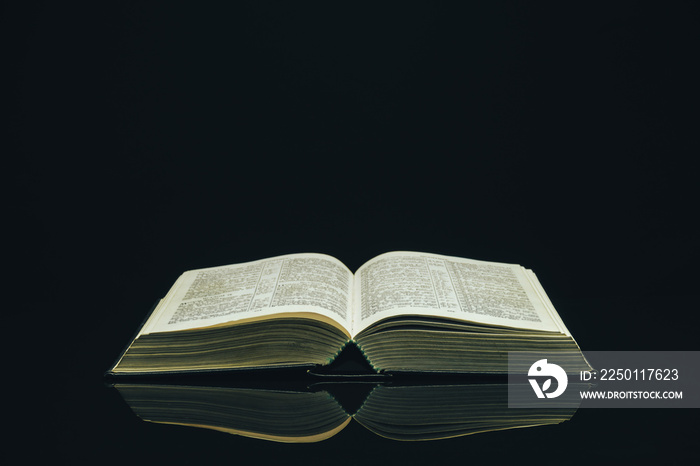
(547, 302)
(404, 283)
(285, 284)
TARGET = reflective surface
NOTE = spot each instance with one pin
(316, 411)
(93, 423)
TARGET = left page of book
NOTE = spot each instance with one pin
(289, 284)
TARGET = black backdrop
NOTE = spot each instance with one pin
(147, 138)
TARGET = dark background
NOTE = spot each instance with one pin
(147, 138)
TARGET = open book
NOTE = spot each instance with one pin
(406, 311)
(306, 415)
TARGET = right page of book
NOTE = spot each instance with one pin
(414, 283)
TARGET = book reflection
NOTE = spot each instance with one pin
(304, 414)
